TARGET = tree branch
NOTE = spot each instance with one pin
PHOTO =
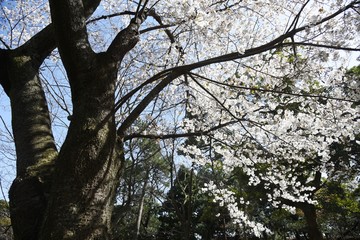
(69, 20)
(147, 99)
(158, 27)
(157, 18)
(175, 72)
(178, 135)
(5, 44)
(125, 40)
(44, 42)
(320, 46)
(297, 17)
(272, 90)
(110, 16)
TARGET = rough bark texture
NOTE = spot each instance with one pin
(71, 198)
(30, 116)
(88, 165)
(34, 142)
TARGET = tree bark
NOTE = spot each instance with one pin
(313, 227)
(88, 166)
(141, 207)
(309, 211)
(34, 142)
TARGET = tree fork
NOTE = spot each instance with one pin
(34, 142)
(88, 167)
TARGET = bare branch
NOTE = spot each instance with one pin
(321, 46)
(110, 16)
(147, 99)
(69, 20)
(5, 44)
(156, 27)
(297, 17)
(157, 18)
(179, 135)
(272, 90)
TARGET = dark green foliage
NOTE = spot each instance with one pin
(188, 213)
(176, 213)
(146, 173)
(340, 210)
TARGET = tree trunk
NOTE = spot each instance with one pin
(313, 227)
(72, 198)
(189, 209)
(34, 142)
(309, 211)
(141, 207)
(88, 166)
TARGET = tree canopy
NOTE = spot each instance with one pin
(259, 92)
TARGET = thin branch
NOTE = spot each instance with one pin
(320, 46)
(297, 17)
(110, 16)
(156, 27)
(239, 120)
(138, 9)
(157, 18)
(3, 194)
(154, 78)
(178, 135)
(272, 90)
(143, 10)
(5, 44)
(147, 99)
(6, 128)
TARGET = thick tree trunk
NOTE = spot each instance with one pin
(34, 142)
(86, 172)
(87, 169)
(88, 166)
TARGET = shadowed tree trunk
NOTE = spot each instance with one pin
(34, 142)
(309, 210)
(88, 166)
(313, 227)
